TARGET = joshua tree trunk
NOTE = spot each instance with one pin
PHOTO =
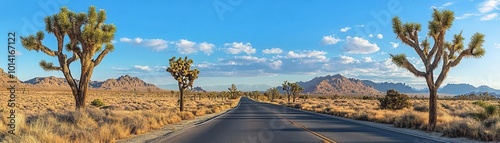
(432, 108)
(181, 98)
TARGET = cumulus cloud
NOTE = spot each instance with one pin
(367, 59)
(206, 48)
(142, 68)
(186, 47)
(380, 36)
(272, 51)
(394, 45)
(489, 17)
(496, 45)
(371, 35)
(357, 45)
(154, 44)
(330, 40)
(120, 69)
(345, 29)
(346, 59)
(236, 48)
(308, 56)
(276, 64)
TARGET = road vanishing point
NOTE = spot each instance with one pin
(257, 122)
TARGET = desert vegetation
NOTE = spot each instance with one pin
(44, 116)
(88, 35)
(448, 54)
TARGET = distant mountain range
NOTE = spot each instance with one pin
(122, 83)
(330, 85)
(339, 84)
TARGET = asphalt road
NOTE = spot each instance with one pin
(255, 122)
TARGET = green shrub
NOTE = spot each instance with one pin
(97, 103)
(491, 110)
(479, 103)
(393, 100)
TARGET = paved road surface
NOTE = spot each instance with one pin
(255, 122)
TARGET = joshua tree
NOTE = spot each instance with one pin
(295, 89)
(448, 54)
(88, 36)
(286, 88)
(272, 93)
(232, 90)
(181, 70)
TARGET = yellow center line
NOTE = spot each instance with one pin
(325, 139)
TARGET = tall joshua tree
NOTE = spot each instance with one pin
(286, 88)
(180, 69)
(295, 89)
(232, 90)
(447, 54)
(88, 36)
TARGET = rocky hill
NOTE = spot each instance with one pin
(125, 83)
(339, 85)
(48, 82)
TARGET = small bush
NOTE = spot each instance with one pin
(421, 107)
(409, 120)
(491, 110)
(393, 100)
(479, 103)
(97, 103)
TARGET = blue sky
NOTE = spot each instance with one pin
(262, 42)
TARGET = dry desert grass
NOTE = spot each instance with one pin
(49, 116)
(456, 118)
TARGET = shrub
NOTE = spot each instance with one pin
(479, 103)
(491, 110)
(409, 120)
(97, 103)
(393, 100)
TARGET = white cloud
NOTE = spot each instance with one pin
(360, 25)
(394, 45)
(497, 45)
(251, 59)
(236, 48)
(489, 6)
(120, 69)
(330, 40)
(367, 59)
(308, 56)
(276, 64)
(346, 59)
(345, 29)
(489, 17)
(207, 48)
(272, 51)
(467, 15)
(380, 36)
(442, 6)
(371, 35)
(186, 47)
(143, 68)
(357, 45)
(154, 44)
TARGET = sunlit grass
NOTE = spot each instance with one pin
(49, 116)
